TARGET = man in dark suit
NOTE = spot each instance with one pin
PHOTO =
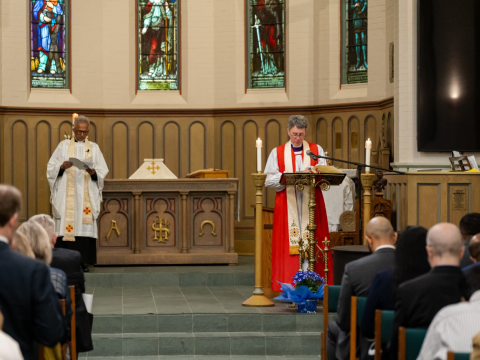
(356, 281)
(419, 300)
(27, 298)
(469, 226)
(70, 261)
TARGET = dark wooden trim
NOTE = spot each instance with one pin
(378, 335)
(280, 110)
(36, 155)
(402, 346)
(179, 42)
(234, 145)
(26, 198)
(136, 48)
(353, 328)
(245, 21)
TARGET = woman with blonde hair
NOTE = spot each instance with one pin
(21, 245)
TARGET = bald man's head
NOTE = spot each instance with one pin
(474, 248)
(380, 231)
(445, 240)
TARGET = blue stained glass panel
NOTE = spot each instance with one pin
(158, 44)
(266, 44)
(48, 44)
(355, 41)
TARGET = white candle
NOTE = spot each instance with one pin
(368, 147)
(259, 155)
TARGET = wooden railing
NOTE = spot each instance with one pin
(396, 192)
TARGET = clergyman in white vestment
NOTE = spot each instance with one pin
(76, 194)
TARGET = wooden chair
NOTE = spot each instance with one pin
(457, 356)
(330, 303)
(410, 342)
(73, 330)
(383, 330)
(356, 314)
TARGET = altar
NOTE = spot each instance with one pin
(172, 221)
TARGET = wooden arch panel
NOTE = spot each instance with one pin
(145, 142)
(120, 146)
(250, 134)
(43, 146)
(197, 146)
(322, 134)
(337, 137)
(171, 147)
(273, 138)
(19, 171)
(228, 147)
(353, 140)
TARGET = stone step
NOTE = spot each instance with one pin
(203, 357)
(162, 278)
(204, 343)
(209, 323)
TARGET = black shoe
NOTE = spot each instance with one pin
(85, 268)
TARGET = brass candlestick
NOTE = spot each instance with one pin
(367, 182)
(258, 298)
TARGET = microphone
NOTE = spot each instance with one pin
(312, 155)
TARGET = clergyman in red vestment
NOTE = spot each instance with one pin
(291, 205)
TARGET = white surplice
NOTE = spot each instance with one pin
(58, 187)
(337, 200)
(274, 175)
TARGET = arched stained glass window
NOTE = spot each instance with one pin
(265, 44)
(354, 41)
(158, 44)
(49, 57)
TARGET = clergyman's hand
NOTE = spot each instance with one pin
(66, 165)
(91, 171)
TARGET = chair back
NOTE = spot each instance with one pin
(356, 314)
(383, 330)
(410, 342)
(333, 296)
(458, 356)
(73, 330)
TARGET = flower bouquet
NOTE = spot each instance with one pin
(307, 288)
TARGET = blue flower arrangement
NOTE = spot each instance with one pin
(307, 285)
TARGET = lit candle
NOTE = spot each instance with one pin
(368, 147)
(259, 155)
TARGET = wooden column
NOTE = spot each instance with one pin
(231, 225)
(138, 223)
(184, 249)
(367, 182)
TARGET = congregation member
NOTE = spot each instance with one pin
(9, 349)
(21, 245)
(469, 227)
(27, 298)
(356, 281)
(70, 261)
(411, 261)
(476, 348)
(420, 299)
(454, 326)
(76, 194)
(474, 251)
(290, 218)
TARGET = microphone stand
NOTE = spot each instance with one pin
(359, 172)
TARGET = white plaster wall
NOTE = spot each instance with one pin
(406, 154)
(213, 57)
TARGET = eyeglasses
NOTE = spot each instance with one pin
(80, 132)
(297, 135)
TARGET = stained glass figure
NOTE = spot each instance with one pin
(48, 44)
(266, 44)
(158, 61)
(355, 36)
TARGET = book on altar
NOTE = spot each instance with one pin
(326, 169)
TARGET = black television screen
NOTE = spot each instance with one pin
(448, 78)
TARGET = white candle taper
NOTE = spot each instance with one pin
(259, 155)
(368, 147)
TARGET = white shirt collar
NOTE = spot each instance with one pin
(385, 247)
(4, 239)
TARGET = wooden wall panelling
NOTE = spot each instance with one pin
(120, 155)
(337, 141)
(228, 147)
(19, 160)
(197, 145)
(250, 135)
(371, 131)
(273, 138)
(42, 149)
(2, 150)
(145, 142)
(353, 140)
(172, 150)
(428, 212)
(322, 134)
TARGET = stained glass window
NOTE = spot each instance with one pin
(158, 60)
(49, 43)
(354, 41)
(266, 44)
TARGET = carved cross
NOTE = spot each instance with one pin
(153, 168)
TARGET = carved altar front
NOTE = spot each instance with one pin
(178, 221)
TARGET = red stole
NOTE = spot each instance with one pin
(284, 265)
